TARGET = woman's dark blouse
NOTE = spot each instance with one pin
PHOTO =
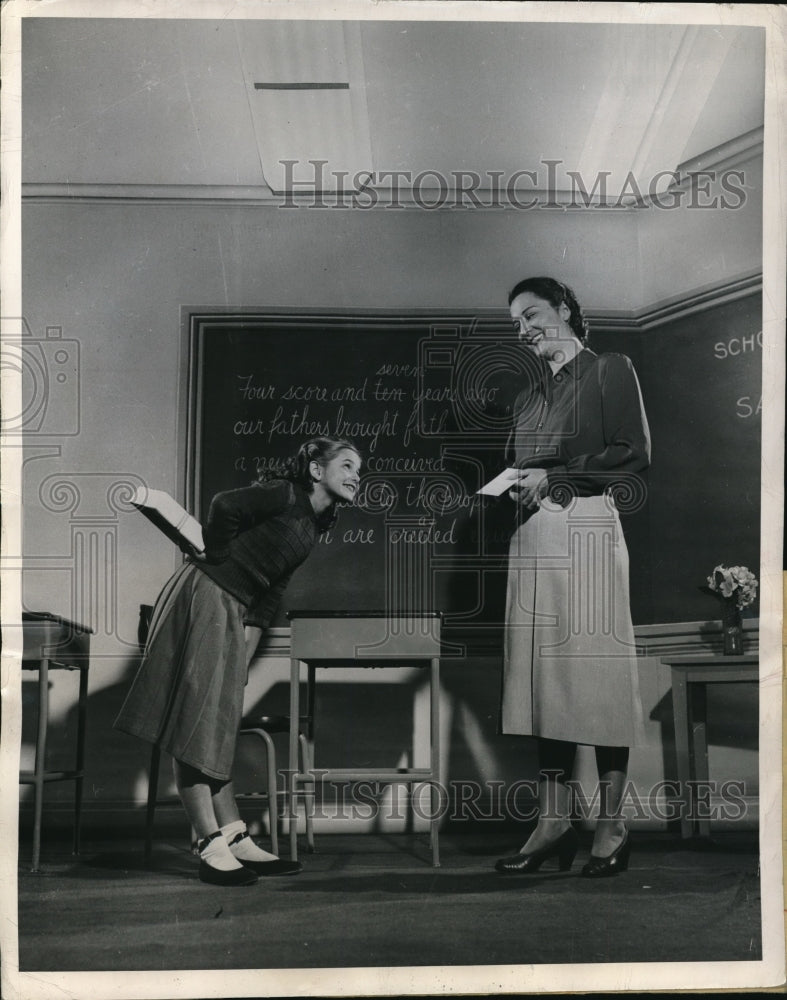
(585, 425)
(255, 538)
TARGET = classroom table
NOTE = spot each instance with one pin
(54, 643)
(321, 639)
(691, 673)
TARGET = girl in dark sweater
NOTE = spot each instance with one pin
(187, 697)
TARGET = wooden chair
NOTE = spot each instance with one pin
(264, 727)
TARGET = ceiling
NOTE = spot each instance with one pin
(205, 103)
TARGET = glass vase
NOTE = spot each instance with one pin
(731, 628)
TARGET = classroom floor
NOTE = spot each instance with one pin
(371, 900)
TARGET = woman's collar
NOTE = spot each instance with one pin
(581, 361)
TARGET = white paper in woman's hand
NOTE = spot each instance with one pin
(497, 486)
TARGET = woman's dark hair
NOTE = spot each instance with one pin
(296, 468)
(555, 293)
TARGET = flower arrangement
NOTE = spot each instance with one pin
(733, 582)
(736, 586)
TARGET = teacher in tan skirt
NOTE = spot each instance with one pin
(570, 671)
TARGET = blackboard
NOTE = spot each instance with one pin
(701, 376)
(428, 400)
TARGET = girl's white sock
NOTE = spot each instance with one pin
(241, 845)
(215, 851)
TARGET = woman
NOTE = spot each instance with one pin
(187, 697)
(570, 671)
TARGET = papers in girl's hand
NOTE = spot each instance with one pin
(168, 516)
(501, 484)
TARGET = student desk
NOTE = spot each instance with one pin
(691, 672)
(54, 643)
(365, 639)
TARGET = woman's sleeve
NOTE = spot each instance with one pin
(624, 431)
(236, 511)
(527, 406)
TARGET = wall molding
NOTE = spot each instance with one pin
(384, 199)
(655, 314)
(690, 637)
(657, 640)
(678, 307)
(154, 195)
(728, 155)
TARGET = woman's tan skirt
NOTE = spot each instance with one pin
(570, 668)
(187, 697)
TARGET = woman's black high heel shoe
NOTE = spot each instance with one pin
(564, 849)
(617, 862)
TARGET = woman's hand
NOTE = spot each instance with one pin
(530, 488)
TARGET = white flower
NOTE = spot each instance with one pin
(734, 581)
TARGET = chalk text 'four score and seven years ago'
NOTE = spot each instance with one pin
(298, 420)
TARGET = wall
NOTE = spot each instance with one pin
(693, 247)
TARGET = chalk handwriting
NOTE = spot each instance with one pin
(249, 391)
(736, 346)
(400, 371)
(747, 407)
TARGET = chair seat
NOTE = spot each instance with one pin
(268, 723)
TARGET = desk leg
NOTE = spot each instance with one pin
(310, 798)
(292, 774)
(680, 710)
(150, 809)
(434, 762)
(40, 765)
(697, 694)
(79, 781)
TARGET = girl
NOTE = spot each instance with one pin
(187, 697)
